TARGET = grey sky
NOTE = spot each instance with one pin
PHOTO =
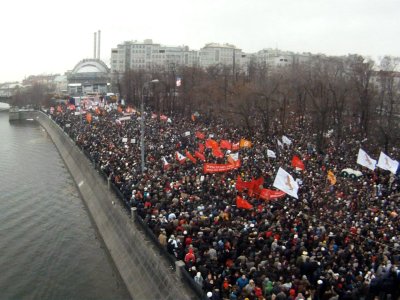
(52, 36)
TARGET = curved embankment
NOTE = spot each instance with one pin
(146, 274)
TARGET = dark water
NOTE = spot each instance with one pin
(48, 247)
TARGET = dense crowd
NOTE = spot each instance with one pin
(336, 241)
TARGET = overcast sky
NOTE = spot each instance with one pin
(47, 37)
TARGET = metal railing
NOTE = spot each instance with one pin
(185, 276)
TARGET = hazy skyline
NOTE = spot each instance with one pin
(47, 37)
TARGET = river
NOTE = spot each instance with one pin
(48, 246)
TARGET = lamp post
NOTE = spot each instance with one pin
(142, 138)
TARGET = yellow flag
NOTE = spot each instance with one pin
(245, 143)
(331, 177)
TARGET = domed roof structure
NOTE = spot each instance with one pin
(91, 65)
(89, 76)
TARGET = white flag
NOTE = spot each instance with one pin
(271, 153)
(286, 140)
(285, 182)
(124, 140)
(386, 163)
(280, 144)
(365, 160)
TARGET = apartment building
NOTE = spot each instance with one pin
(226, 54)
(148, 55)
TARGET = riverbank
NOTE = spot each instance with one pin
(144, 272)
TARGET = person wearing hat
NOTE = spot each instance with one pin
(190, 258)
(199, 279)
(248, 290)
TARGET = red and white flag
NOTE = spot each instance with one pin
(233, 158)
(166, 164)
(285, 182)
(181, 158)
(365, 160)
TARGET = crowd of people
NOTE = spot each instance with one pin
(336, 241)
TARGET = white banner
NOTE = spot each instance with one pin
(285, 182)
(365, 160)
(386, 163)
(124, 118)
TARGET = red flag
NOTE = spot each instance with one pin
(199, 156)
(201, 148)
(242, 203)
(257, 185)
(190, 156)
(224, 144)
(235, 146)
(241, 185)
(297, 163)
(217, 152)
(210, 143)
(200, 135)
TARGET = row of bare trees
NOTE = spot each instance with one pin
(330, 93)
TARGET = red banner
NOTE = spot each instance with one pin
(268, 194)
(215, 168)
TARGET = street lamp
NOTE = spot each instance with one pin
(143, 163)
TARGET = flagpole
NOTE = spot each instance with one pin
(142, 131)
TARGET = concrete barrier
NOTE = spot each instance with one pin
(145, 273)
